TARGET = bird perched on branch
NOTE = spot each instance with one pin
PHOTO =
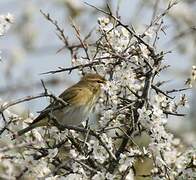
(72, 107)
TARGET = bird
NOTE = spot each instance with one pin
(80, 99)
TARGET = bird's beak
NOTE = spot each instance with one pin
(104, 81)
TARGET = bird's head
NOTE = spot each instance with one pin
(94, 79)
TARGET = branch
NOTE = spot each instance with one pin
(70, 69)
(173, 113)
(21, 100)
(160, 91)
(150, 48)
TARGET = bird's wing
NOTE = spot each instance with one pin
(71, 96)
(77, 95)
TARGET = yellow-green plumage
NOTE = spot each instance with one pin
(80, 98)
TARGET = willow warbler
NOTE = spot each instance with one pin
(80, 99)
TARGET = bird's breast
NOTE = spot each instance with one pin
(72, 116)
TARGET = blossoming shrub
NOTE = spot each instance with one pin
(133, 106)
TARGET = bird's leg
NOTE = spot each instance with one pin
(53, 121)
(87, 133)
(86, 125)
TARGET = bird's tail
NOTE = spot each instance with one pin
(27, 129)
(42, 122)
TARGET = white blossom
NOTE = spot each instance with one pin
(52, 152)
(99, 153)
(73, 153)
(120, 57)
(74, 176)
(150, 31)
(125, 162)
(144, 50)
(193, 74)
(5, 22)
(99, 176)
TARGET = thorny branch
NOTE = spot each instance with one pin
(146, 71)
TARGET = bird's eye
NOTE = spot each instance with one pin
(99, 81)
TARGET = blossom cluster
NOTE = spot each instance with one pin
(123, 60)
(132, 104)
(5, 23)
